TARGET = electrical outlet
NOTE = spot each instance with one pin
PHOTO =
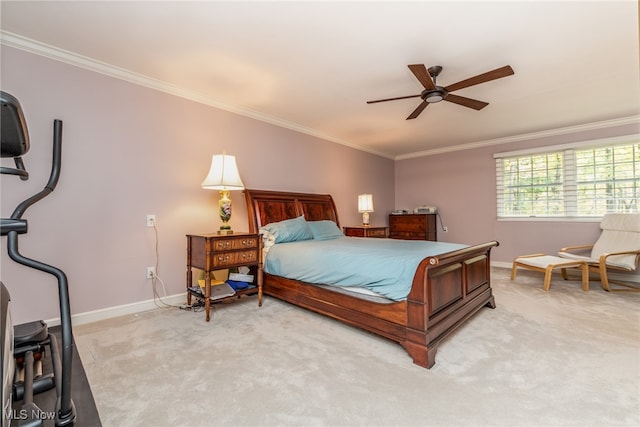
(151, 272)
(445, 229)
(151, 220)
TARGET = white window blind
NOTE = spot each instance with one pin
(569, 182)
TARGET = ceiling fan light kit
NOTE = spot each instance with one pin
(433, 93)
(433, 96)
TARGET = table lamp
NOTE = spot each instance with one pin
(223, 176)
(365, 205)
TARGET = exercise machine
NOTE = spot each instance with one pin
(26, 347)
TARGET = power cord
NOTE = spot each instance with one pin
(444, 228)
(157, 299)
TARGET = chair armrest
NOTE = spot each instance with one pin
(603, 257)
(576, 248)
(636, 252)
(607, 255)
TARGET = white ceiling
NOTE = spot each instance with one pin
(312, 66)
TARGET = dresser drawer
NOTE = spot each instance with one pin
(407, 235)
(408, 223)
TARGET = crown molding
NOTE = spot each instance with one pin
(526, 137)
(52, 52)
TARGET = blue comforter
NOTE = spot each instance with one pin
(385, 266)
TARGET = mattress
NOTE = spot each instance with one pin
(383, 266)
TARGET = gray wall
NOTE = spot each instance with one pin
(462, 185)
(129, 151)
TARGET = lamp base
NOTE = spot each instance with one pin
(225, 212)
(365, 219)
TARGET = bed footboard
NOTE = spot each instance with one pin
(447, 290)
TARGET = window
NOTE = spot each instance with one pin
(578, 180)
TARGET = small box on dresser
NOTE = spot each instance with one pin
(413, 227)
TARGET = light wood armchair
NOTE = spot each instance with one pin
(617, 249)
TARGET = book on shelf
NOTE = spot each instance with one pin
(213, 283)
(218, 290)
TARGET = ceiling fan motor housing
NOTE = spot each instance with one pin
(435, 95)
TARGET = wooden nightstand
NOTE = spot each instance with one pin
(365, 231)
(210, 252)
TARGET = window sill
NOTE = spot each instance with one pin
(551, 219)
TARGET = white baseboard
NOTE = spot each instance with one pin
(120, 310)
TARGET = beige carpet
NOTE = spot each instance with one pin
(559, 358)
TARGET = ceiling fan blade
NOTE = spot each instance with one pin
(482, 78)
(418, 110)
(392, 99)
(466, 102)
(422, 74)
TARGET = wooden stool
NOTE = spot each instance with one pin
(546, 264)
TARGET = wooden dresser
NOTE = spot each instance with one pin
(413, 227)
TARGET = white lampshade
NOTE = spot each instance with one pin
(365, 203)
(223, 174)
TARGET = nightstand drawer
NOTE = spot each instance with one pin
(365, 231)
(354, 231)
(231, 258)
(377, 232)
(235, 243)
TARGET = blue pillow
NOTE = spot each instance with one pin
(324, 230)
(289, 230)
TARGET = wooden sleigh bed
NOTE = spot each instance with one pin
(447, 289)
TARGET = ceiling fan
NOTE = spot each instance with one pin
(433, 93)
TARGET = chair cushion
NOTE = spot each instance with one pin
(617, 241)
(621, 222)
(620, 233)
(612, 261)
(544, 261)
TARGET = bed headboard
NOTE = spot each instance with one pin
(265, 207)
